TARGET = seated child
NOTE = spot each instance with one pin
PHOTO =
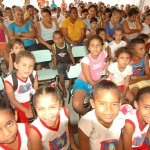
(115, 44)
(13, 135)
(140, 65)
(120, 72)
(92, 30)
(52, 128)
(62, 57)
(20, 96)
(137, 122)
(15, 45)
(100, 129)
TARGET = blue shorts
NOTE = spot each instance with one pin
(82, 85)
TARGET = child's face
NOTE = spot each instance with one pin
(66, 15)
(84, 15)
(123, 60)
(48, 108)
(31, 11)
(24, 67)
(107, 106)
(103, 35)
(118, 35)
(58, 39)
(144, 109)
(93, 25)
(139, 50)
(8, 127)
(8, 13)
(17, 48)
(116, 17)
(147, 20)
(95, 47)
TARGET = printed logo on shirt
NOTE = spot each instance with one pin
(138, 69)
(97, 66)
(24, 88)
(109, 144)
(138, 141)
(58, 143)
(62, 54)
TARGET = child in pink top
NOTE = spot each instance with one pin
(92, 67)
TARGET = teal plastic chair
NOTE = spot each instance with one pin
(73, 73)
(44, 74)
(1, 84)
(79, 51)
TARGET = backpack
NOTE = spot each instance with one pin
(15, 82)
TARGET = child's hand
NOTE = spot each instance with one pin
(133, 77)
(29, 114)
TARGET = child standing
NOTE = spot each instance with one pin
(100, 129)
(115, 44)
(137, 122)
(62, 57)
(92, 66)
(16, 45)
(52, 129)
(120, 72)
(12, 135)
(20, 98)
(140, 65)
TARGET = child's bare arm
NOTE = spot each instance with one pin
(71, 56)
(120, 144)
(83, 140)
(127, 136)
(11, 96)
(54, 57)
(35, 140)
(11, 65)
(36, 83)
(71, 136)
(126, 86)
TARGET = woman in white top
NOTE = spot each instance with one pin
(45, 29)
(132, 25)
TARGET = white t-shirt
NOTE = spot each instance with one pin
(100, 137)
(24, 90)
(140, 133)
(113, 46)
(118, 76)
(53, 138)
(23, 131)
(146, 28)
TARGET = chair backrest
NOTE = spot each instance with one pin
(1, 84)
(74, 71)
(42, 55)
(79, 51)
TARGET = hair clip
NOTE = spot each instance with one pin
(53, 85)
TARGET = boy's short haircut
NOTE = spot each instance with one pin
(134, 42)
(15, 41)
(99, 30)
(29, 6)
(84, 10)
(143, 36)
(116, 11)
(57, 33)
(94, 6)
(118, 29)
(93, 19)
(23, 54)
(7, 8)
(35, 9)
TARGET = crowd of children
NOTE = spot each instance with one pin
(114, 78)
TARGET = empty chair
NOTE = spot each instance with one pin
(44, 74)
